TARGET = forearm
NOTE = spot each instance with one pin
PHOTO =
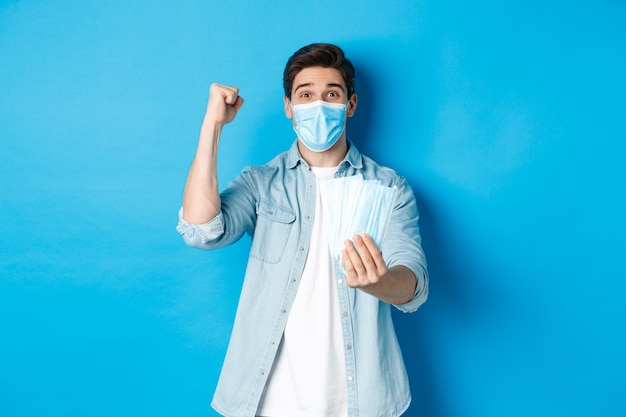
(397, 286)
(201, 200)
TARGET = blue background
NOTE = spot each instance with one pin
(506, 117)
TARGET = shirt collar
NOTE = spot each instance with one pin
(353, 157)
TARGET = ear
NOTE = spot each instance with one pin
(288, 111)
(352, 105)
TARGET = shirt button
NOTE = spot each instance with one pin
(283, 311)
(339, 281)
(301, 249)
(350, 378)
(348, 347)
(345, 313)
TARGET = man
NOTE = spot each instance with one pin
(312, 336)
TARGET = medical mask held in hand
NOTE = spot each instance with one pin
(353, 205)
(319, 124)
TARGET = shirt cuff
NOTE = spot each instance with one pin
(420, 295)
(205, 232)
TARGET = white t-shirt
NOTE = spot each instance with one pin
(308, 375)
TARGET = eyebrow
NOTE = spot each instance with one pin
(327, 86)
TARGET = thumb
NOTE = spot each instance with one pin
(238, 103)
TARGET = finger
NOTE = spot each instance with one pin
(238, 103)
(374, 251)
(228, 93)
(352, 278)
(232, 94)
(365, 251)
(347, 263)
(355, 258)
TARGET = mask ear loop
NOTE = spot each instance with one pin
(293, 111)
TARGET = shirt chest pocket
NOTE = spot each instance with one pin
(271, 233)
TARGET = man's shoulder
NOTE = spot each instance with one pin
(277, 164)
(374, 170)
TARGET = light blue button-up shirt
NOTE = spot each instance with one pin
(275, 203)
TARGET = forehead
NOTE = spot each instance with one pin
(318, 77)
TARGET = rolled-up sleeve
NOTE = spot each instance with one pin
(420, 295)
(198, 235)
(402, 244)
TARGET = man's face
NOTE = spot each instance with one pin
(318, 83)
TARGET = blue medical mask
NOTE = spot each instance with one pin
(319, 124)
(353, 205)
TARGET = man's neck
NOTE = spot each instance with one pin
(329, 158)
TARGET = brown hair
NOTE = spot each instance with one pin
(318, 55)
